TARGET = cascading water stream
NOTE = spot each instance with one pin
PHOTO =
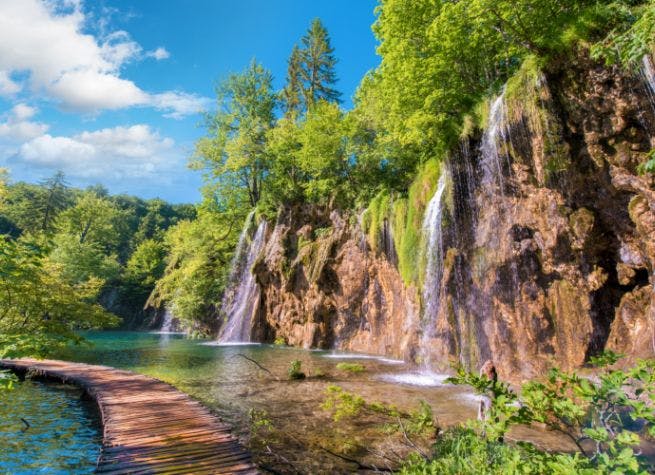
(167, 323)
(432, 231)
(648, 73)
(242, 292)
(491, 158)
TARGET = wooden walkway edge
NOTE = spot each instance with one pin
(148, 426)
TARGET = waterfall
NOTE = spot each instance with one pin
(432, 232)
(492, 159)
(242, 292)
(648, 72)
(167, 324)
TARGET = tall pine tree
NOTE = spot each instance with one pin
(54, 199)
(293, 91)
(317, 66)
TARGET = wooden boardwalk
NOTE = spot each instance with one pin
(148, 426)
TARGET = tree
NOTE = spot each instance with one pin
(197, 267)
(39, 309)
(322, 154)
(54, 200)
(93, 220)
(234, 152)
(293, 91)
(4, 192)
(80, 261)
(317, 66)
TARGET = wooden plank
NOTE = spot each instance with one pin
(149, 426)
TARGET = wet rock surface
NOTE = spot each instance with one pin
(548, 260)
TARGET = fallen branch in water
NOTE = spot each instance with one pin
(360, 465)
(27, 424)
(257, 364)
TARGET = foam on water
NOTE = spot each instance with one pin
(424, 378)
(355, 356)
(230, 343)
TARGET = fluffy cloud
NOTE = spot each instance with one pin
(116, 153)
(159, 54)
(78, 70)
(17, 126)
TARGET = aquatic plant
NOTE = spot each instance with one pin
(351, 367)
(295, 371)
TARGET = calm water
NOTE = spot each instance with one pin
(300, 431)
(64, 436)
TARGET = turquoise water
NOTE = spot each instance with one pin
(64, 434)
(235, 388)
(280, 421)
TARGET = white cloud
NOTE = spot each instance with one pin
(17, 127)
(179, 104)
(76, 69)
(7, 86)
(114, 153)
(159, 54)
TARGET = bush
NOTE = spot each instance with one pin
(605, 418)
(294, 370)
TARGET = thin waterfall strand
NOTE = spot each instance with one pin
(492, 161)
(167, 324)
(432, 230)
(243, 292)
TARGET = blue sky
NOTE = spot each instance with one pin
(109, 91)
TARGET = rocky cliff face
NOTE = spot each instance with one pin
(549, 245)
(322, 288)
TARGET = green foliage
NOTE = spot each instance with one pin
(351, 367)
(197, 265)
(630, 36)
(441, 59)
(606, 419)
(280, 341)
(39, 309)
(233, 154)
(294, 372)
(377, 212)
(341, 403)
(649, 165)
(7, 380)
(81, 261)
(344, 405)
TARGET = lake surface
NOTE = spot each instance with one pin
(298, 431)
(64, 434)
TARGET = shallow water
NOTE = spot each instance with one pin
(226, 381)
(64, 434)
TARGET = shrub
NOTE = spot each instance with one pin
(601, 417)
(294, 370)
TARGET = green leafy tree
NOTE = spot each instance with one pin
(322, 155)
(197, 266)
(146, 265)
(4, 191)
(234, 152)
(81, 261)
(39, 309)
(94, 220)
